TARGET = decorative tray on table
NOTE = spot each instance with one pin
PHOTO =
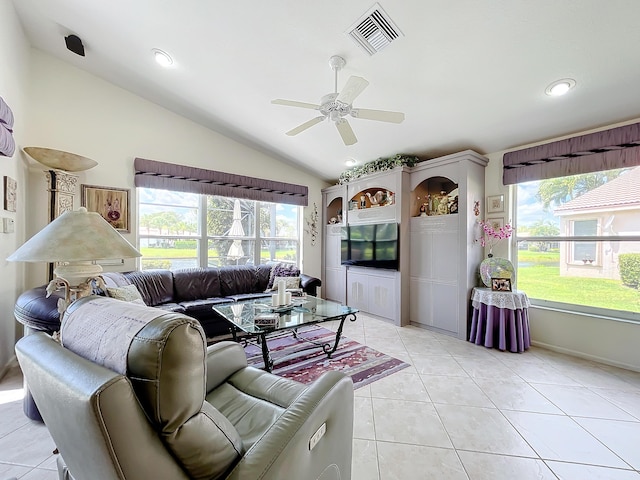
(496, 268)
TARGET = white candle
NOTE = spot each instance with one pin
(287, 298)
(274, 300)
(282, 285)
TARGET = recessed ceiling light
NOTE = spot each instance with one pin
(351, 162)
(560, 87)
(162, 58)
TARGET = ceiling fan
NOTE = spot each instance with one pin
(336, 106)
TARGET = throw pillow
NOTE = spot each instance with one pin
(290, 282)
(282, 270)
(127, 293)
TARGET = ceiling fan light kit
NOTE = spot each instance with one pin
(336, 106)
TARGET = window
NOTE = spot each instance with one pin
(584, 252)
(179, 230)
(578, 242)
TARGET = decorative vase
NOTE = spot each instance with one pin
(497, 268)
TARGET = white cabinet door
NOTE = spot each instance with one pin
(382, 296)
(373, 292)
(332, 247)
(434, 286)
(358, 291)
(334, 285)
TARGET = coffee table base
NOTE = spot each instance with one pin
(327, 348)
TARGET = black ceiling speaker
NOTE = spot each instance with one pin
(74, 44)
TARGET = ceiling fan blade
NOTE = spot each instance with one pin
(293, 103)
(379, 115)
(354, 87)
(305, 125)
(346, 132)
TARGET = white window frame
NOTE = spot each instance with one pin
(602, 313)
(202, 238)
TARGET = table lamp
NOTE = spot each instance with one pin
(76, 239)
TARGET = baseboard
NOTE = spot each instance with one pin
(586, 356)
(13, 361)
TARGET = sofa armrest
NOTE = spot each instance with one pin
(223, 360)
(285, 447)
(310, 284)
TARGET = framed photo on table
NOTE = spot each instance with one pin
(500, 284)
(111, 203)
(495, 204)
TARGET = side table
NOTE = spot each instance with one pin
(500, 319)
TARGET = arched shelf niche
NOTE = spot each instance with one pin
(434, 196)
(372, 197)
(335, 214)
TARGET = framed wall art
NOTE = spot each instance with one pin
(495, 204)
(496, 222)
(10, 194)
(111, 203)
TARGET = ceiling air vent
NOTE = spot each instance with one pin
(374, 30)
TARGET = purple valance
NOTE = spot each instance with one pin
(614, 148)
(181, 178)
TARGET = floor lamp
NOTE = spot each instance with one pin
(62, 182)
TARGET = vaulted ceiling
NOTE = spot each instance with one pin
(466, 73)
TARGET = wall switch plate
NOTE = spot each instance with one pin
(315, 438)
(8, 225)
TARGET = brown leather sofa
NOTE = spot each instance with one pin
(195, 291)
(192, 291)
(149, 399)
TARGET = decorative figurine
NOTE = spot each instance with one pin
(443, 204)
(377, 199)
(423, 210)
(363, 201)
(453, 206)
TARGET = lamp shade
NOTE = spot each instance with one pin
(75, 236)
(69, 162)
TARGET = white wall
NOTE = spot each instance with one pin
(608, 341)
(59, 106)
(14, 66)
(75, 111)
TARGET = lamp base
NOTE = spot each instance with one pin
(75, 279)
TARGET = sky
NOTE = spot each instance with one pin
(529, 210)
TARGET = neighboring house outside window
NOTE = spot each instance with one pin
(180, 230)
(570, 236)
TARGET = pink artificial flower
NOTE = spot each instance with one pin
(491, 236)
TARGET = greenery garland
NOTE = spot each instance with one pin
(379, 165)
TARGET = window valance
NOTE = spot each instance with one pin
(615, 148)
(181, 178)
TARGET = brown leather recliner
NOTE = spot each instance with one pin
(179, 410)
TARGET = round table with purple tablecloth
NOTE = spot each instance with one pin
(500, 319)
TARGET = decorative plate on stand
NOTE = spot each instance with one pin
(496, 268)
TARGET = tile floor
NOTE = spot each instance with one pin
(460, 411)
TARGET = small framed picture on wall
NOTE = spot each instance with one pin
(496, 222)
(111, 203)
(10, 194)
(495, 204)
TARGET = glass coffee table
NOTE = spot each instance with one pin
(257, 318)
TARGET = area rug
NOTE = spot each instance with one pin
(304, 362)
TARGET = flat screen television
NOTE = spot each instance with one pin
(374, 245)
